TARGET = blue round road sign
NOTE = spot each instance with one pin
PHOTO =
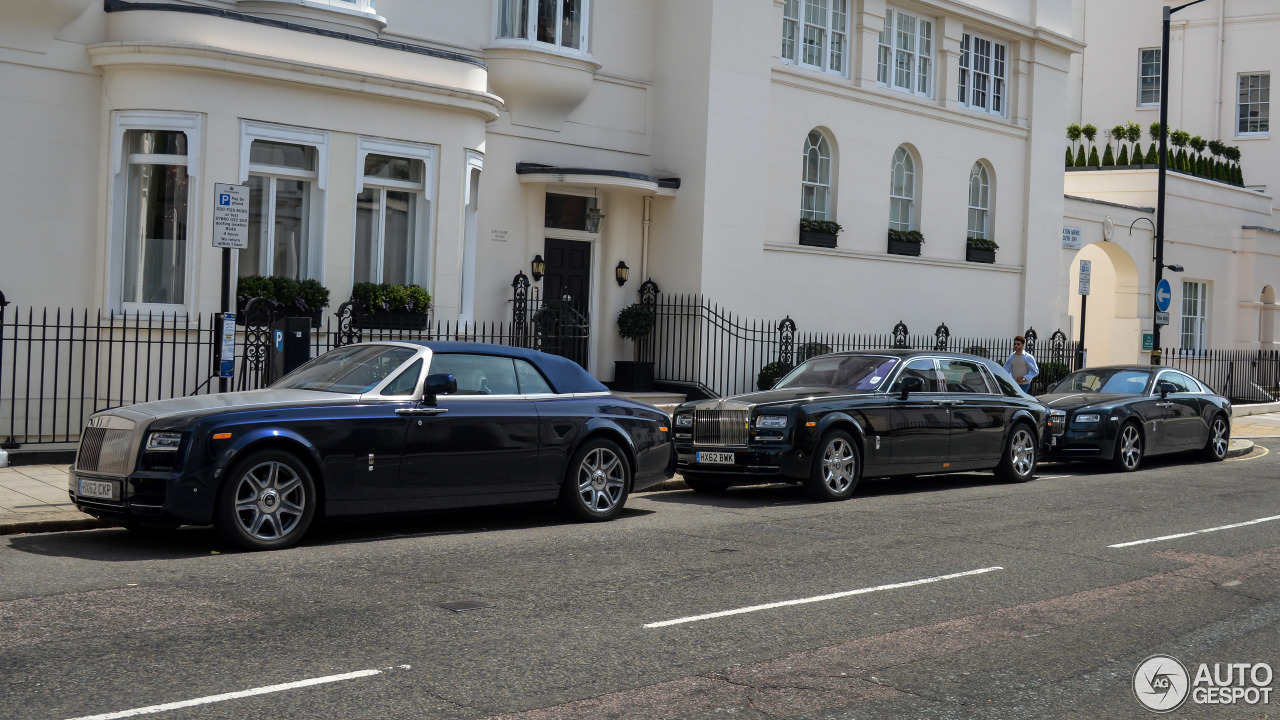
(1164, 295)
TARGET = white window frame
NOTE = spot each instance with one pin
(993, 67)
(831, 30)
(422, 249)
(1265, 105)
(1143, 66)
(910, 197)
(123, 121)
(898, 43)
(471, 212)
(980, 206)
(251, 130)
(1194, 329)
(822, 184)
(530, 38)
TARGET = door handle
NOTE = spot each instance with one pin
(950, 402)
(422, 411)
(1165, 404)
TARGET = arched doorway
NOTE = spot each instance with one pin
(1113, 332)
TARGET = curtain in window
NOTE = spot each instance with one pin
(902, 191)
(511, 19)
(815, 203)
(155, 248)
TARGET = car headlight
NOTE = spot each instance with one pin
(1087, 418)
(772, 422)
(684, 421)
(164, 441)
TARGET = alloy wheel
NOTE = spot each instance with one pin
(839, 465)
(1022, 452)
(1220, 437)
(1130, 447)
(270, 500)
(602, 479)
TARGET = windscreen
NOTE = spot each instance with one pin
(1111, 382)
(356, 369)
(853, 372)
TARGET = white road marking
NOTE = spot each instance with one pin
(1052, 477)
(820, 598)
(236, 695)
(1195, 532)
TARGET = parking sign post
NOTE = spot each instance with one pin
(230, 232)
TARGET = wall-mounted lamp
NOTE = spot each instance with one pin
(1173, 268)
(622, 272)
(539, 267)
(594, 216)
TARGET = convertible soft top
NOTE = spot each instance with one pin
(565, 375)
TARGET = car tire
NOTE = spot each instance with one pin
(1129, 448)
(836, 466)
(1219, 439)
(597, 482)
(703, 484)
(267, 502)
(1018, 463)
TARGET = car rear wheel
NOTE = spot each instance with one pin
(1128, 448)
(1219, 439)
(597, 482)
(702, 484)
(1018, 464)
(835, 469)
(267, 502)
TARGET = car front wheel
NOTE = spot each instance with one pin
(597, 482)
(834, 472)
(1018, 464)
(267, 502)
(1128, 448)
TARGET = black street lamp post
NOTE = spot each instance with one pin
(1163, 168)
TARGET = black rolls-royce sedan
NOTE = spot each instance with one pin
(839, 417)
(374, 428)
(1122, 413)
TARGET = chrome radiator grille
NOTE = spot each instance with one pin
(105, 446)
(720, 427)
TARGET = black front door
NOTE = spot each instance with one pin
(564, 320)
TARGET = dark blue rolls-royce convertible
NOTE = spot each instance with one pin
(1123, 413)
(369, 429)
(837, 418)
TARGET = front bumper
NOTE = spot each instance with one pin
(172, 498)
(1082, 444)
(783, 461)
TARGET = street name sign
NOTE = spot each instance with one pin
(1071, 238)
(231, 216)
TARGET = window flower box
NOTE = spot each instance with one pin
(905, 242)
(818, 233)
(980, 250)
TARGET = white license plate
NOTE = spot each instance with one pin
(101, 489)
(715, 458)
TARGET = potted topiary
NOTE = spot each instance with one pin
(819, 233)
(980, 250)
(389, 306)
(635, 322)
(905, 242)
(770, 374)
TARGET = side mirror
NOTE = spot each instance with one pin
(439, 384)
(909, 385)
(1166, 388)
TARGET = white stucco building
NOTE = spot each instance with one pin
(1221, 56)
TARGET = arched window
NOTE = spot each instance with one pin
(816, 202)
(902, 191)
(979, 202)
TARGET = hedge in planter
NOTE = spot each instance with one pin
(390, 306)
(770, 374)
(819, 233)
(980, 250)
(905, 242)
(285, 296)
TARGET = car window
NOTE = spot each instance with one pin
(478, 374)
(352, 369)
(1118, 382)
(855, 372)
(922, 368)
(406, 382)
(1180, 381)
(531, 381)
(963, 376)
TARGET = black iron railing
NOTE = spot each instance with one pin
(1243, 376)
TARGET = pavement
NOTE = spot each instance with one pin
(33, 498)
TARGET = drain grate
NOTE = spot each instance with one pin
(466, 605)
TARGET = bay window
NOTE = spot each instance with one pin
(393, 207)
(562, 24)
(285, 171)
